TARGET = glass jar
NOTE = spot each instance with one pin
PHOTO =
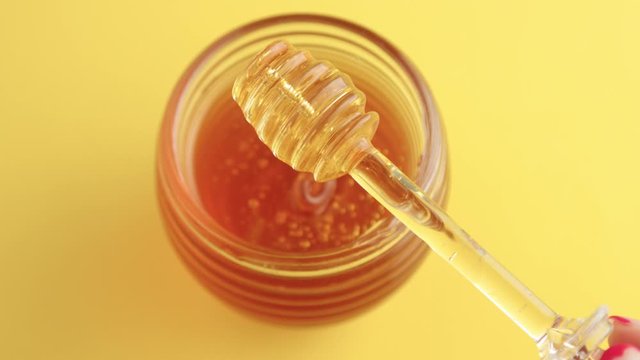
(310, 287)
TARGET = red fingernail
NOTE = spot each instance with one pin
(618, 351)
(620, 320)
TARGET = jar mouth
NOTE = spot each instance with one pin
(186, 209)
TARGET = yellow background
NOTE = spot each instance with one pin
(541, 104)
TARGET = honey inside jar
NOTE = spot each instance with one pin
(263, 201)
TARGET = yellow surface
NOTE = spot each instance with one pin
(540, 100)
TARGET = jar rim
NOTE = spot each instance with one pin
(257, 258)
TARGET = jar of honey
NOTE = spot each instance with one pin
(271, 241)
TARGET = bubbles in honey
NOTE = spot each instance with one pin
(264, 202)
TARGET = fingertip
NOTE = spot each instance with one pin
(622, 352)
(625, 331)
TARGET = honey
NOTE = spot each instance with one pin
(263, 201)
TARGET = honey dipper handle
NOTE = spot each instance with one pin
(408, 203)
